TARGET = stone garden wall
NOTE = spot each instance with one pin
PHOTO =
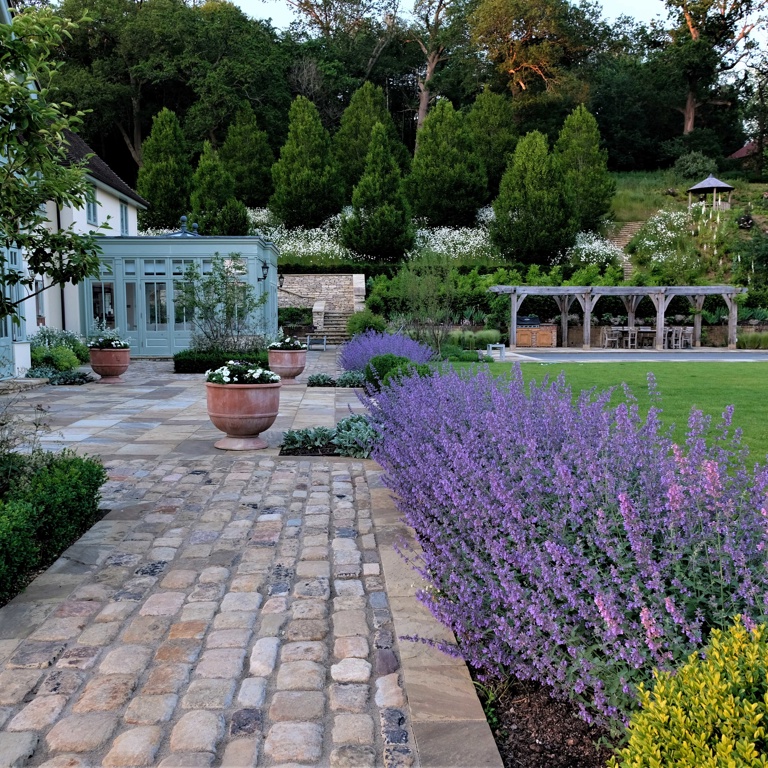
(341, 293)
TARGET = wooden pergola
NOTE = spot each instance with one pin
(631, 296)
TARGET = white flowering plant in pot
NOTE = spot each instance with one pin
(237, 372)
(287, 344)
(106, 338)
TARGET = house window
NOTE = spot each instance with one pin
(123, 219)
(91, 212)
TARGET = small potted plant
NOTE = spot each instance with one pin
(287, 357)
(243, 401)
(110, 354)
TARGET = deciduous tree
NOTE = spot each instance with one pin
(33, 167)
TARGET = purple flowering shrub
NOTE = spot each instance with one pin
(356, 353)
(572, 543)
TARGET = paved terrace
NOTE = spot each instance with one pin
(234, 609)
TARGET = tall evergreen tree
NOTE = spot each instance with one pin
(380, 223)
(447, 183)
(247, 157)
(583, 168)
(214, 206)
(166, 176)
(532, 224)
(307, 188)
(350, 143)
(491, 125)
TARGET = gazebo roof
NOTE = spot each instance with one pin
(711, 184)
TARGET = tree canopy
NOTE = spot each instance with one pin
(35, 169)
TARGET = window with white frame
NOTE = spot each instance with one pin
(91, 206)
(123, 219)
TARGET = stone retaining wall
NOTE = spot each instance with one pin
(341, 293)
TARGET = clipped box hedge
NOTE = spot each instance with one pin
(53, 499)
(194, 361)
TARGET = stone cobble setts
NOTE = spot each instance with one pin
(227, 611)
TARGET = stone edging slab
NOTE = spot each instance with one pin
(448, 722)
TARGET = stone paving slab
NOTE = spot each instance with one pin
(230, 609)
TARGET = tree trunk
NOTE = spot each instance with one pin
(433, 59)
(689, 113)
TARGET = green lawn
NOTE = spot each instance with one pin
(709, 387)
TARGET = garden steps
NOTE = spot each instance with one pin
(621, 238)
(335, 327)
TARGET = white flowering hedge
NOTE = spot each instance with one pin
(591, 248)
(663, 236)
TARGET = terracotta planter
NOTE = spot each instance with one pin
(287, 363)
(243, 411)
(110, 364)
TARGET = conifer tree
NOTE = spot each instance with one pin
(380, 223)
(214, 207)
(247, 157)
(166, 175)
(583, 167)
(491, 125)
(447, 183)
(350, 143)
(532, 224)
(307, 189)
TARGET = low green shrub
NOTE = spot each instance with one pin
(294, 316)
(63, 489)
(365, 321)
(752, 341)
(351, 379)
(321, 380)
(53, 337)
(379, 366)
(407, 370)
(195, 361)
(710, 713)
(19, 548)
(57, 378)
(314, 441)
(355, 437)
(61, 358)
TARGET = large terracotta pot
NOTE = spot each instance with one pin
(110, 364)
(243, 411)
(287, 363)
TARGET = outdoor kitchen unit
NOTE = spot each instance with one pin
(531, 333)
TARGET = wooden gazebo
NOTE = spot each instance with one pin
(631, 296)
(714, 187)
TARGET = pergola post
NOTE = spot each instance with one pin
(697, 302)
(516, 301)
(661, 302)
(564, 305)
(733, 318)
(587, 301)
(630, 304)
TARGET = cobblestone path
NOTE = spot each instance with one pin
(233, 609)
(241, 619)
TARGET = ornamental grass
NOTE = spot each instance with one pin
(567, 541)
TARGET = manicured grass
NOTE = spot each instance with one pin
(710, 387)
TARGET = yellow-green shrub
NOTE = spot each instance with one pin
(711, 713)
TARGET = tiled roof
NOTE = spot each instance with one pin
(77, 150)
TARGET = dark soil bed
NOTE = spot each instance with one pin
(329, 450)
(533, 730)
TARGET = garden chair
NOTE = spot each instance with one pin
(686, 340)
(611, 338)
(630, 339)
